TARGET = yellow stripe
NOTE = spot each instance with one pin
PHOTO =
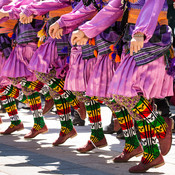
(146, 128)
(11, 108)
(94, 139)
(57, 89)
(65, 130)
(129, 147)
(59, 106)
(37, 127)
(148, 156)
(12, 126)
(161, 127)
(123, 120)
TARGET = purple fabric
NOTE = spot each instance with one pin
(17, 63)
(46, 58)
(171, 67)
(79, 71)
(26, 33)
(42, 7)
(77, 16)
(151, 79)
(3, 80)
(4, 2)
(158, 44)
(101, 77)
(14, 8)
(104, 19)
(5, 45)
(147, 19)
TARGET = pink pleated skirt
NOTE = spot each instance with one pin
(3, 80)
(150, 79)
(46, 58)
(101, 77)
(17, 63)
(79, 71)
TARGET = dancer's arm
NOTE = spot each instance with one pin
(70, 21)
(146, 24)
(148, 17)
(42, 7)
(105, 18)
(12, 10)
(78, 15)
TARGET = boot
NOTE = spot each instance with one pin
(120, 134)
(165, 143)
(11, 129)
(77, 120)
(48, 106)
(110, 128)
(124, 156)
(142, 168)
(82, 111)
(33, 133)
(63, 137)
(90, 145)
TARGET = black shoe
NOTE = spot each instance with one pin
(2, 110)
(109, 129)
(26, 107)
(120, 134)
(77, 121)
(173, 125)
(163, 107)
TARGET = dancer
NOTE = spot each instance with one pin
(127, 84)
(83, 64)
(50, 64)
(15, 67)
(8, 91)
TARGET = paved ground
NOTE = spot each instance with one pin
(19, 156)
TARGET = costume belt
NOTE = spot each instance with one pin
(134, 13)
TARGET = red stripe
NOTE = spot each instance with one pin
(35, 107)
(95, 119)
(62, 112)
(2, 90)
(39, 86)
(4, 97)
(16, 94)
(127, 125)
(145, 161)
(14, 112)
(147, 134)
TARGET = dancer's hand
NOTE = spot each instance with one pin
(174, 5)
(24, 19)
(3, 14)
(83, 41)
(54, 29)
(78, 37)
(59, 33)
(136, 43)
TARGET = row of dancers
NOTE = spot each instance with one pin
(82, 53)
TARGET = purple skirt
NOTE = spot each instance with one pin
(3, 80)
(150, 79)
(17, 63)
(79, 71)
(101, 77)
(46, 58)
